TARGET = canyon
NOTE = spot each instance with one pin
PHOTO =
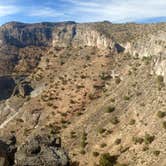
(96, 87)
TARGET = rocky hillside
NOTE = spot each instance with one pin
(100, 87)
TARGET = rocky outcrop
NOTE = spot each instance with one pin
(15, 37)
(41, 150)
(151, 45)
(7, 151)
(80, 35)
(21, 35)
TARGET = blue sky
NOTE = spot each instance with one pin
(116, 11)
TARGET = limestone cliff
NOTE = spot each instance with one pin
(80, 35)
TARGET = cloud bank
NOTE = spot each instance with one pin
(88, 10)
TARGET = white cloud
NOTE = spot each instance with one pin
(88, 10)
(118, 10)
(44, 12)
(6, 10)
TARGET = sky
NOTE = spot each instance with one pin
(116, 11)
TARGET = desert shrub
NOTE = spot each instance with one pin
(118, 164)
(101, 130)
(63, 121)
(117, 141)
(110, 109)
(50, 104)
(156, 152)
(164, 124)
(138, 140)
(117, 80)
(112, 100)
(132, 122)
(161, 114)
(148, 139)
(145, 148)
(103, 145)
(147, 59)
(107, 160)
(74, 163)
(73, 134)
(82, 151)
(160, 81)
(126, 98)
(95, 154)
(79, 113)
(114, 120)
(83, 140)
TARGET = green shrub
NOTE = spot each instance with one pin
(132, 122)
(156, 152)
(114, 120)
(145, 148)
(164, 124)
(95, 154)
(137, 140)
(110, 109)
(102, 130)
(161, 114)
(126, 98)
(103, 145)
(107, 160)
(148, 139)
(112, 100)
(160, 81)
(118, 164)
(84, 140)
(83, 151)
(117, 141)
(117, 80)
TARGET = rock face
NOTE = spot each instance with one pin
(151, 45)
(7, 151)
(41, 150)
(60, 34)
(21, 35)
(15, 37)
(80, 35)
(154, 46)
(3, 154)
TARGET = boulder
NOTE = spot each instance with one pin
(41, 150)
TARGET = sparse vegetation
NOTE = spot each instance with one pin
(161, 114)
(117, 141)
(107, 160)
(103, 145)
(110, 109)
(164, 124)
(101, 130)
(160, 82)
(148, 139)
(132, 122)
(114, 120)
(156, 152)
(138, 140)
(126, 98)
(96, 154)
(117, 80)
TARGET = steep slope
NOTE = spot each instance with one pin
(93, 84)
